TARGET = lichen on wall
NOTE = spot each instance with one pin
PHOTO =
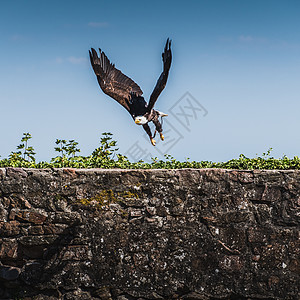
(149, 234)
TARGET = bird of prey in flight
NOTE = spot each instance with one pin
(124, 90)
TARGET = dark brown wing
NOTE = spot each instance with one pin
(112, 81)
(162, 80)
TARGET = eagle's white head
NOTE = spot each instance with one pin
(140, 120)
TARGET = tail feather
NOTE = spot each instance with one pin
(162, 114)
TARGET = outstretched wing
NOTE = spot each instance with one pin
(162, 80)
(112, 81)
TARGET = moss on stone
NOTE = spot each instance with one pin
(106, 197)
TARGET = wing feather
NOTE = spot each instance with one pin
(111, 80)
(162, 80)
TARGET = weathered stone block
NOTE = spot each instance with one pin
(35, 230)
(76, 252)
(31, 216)
(9, 273)
(37, 240)
(33, 251)
(8, 229)
(8, 249)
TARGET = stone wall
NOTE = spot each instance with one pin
(149, 234)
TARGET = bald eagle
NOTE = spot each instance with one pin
(124, 90)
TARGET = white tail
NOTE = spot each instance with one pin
(162, 114)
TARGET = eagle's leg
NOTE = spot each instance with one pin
(158, 127)
(147, 129)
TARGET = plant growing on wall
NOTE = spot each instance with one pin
(28, 151)
(24, 156)
(107, 156)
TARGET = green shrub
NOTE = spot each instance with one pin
(106, 156)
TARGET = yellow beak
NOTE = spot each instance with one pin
(137, 121)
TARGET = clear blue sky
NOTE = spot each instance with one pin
(240, 61)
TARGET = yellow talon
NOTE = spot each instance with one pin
(162, 137)
(153, 142)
